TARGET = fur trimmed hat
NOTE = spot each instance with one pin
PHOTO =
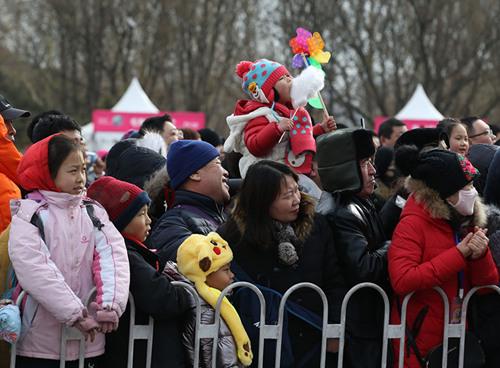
(199, 256)
(259, 78)
(420, 137)
(445, 172)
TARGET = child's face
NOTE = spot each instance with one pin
(221, 278)
(71, 175)
(459, 141)
(283, 86)
(140, 225)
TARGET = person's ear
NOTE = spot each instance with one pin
(196, 176)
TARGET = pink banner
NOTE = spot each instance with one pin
(411, 124)
(113, 121)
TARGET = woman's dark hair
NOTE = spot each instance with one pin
(261, 186)
(59, 149)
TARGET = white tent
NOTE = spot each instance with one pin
(134, 100)
(419, 107)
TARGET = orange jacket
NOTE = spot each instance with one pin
(9, 160)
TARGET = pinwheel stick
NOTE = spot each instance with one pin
(319, 93)
(283, 135)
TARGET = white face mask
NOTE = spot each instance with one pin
(466, 200)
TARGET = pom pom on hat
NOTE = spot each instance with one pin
(242, 68)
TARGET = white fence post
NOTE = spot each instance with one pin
(139, 332)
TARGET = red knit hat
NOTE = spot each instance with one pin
(121, 200)
(259, 78)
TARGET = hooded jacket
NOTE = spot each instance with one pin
(226, 347)
(10, 158)
(60, 271)
(255, 134)
(423, 254)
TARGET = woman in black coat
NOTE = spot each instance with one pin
(278, 241)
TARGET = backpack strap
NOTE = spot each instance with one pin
(37, 222)
(412, 333)
(90, 211)
(292, 307)
(89, 207)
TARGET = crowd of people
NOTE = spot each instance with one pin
(282, 200)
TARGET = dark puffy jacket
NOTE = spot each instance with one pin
(154, 296)
(192, 213)
(317, 264)
(391, 212)
(362, 253)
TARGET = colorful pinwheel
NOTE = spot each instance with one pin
(308, 50)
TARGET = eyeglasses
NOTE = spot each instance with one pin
(486, 132)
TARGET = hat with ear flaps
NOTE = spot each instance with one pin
(338, 154)
(445, 172)
(199, 256)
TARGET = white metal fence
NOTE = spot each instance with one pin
(275, 331)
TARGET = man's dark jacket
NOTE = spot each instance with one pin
(191, 213)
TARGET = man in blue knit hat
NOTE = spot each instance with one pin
(201, 190)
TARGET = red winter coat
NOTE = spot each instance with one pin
(260, 136)
(423, 254)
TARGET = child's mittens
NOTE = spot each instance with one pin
(10, 322)
(107, 318)
(87, 326)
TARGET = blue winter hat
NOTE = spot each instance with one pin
(185, 157)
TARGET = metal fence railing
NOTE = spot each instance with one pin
(275, 331)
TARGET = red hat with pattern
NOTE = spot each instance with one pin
(259, 78)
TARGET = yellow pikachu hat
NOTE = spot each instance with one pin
(199, 256)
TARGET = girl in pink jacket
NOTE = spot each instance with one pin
(59, 253)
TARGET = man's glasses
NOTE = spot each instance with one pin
(486, 132)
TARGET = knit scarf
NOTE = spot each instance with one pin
(288, 244)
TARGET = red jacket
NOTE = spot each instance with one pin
(260, 136)
(423, 254)
(9, 160)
